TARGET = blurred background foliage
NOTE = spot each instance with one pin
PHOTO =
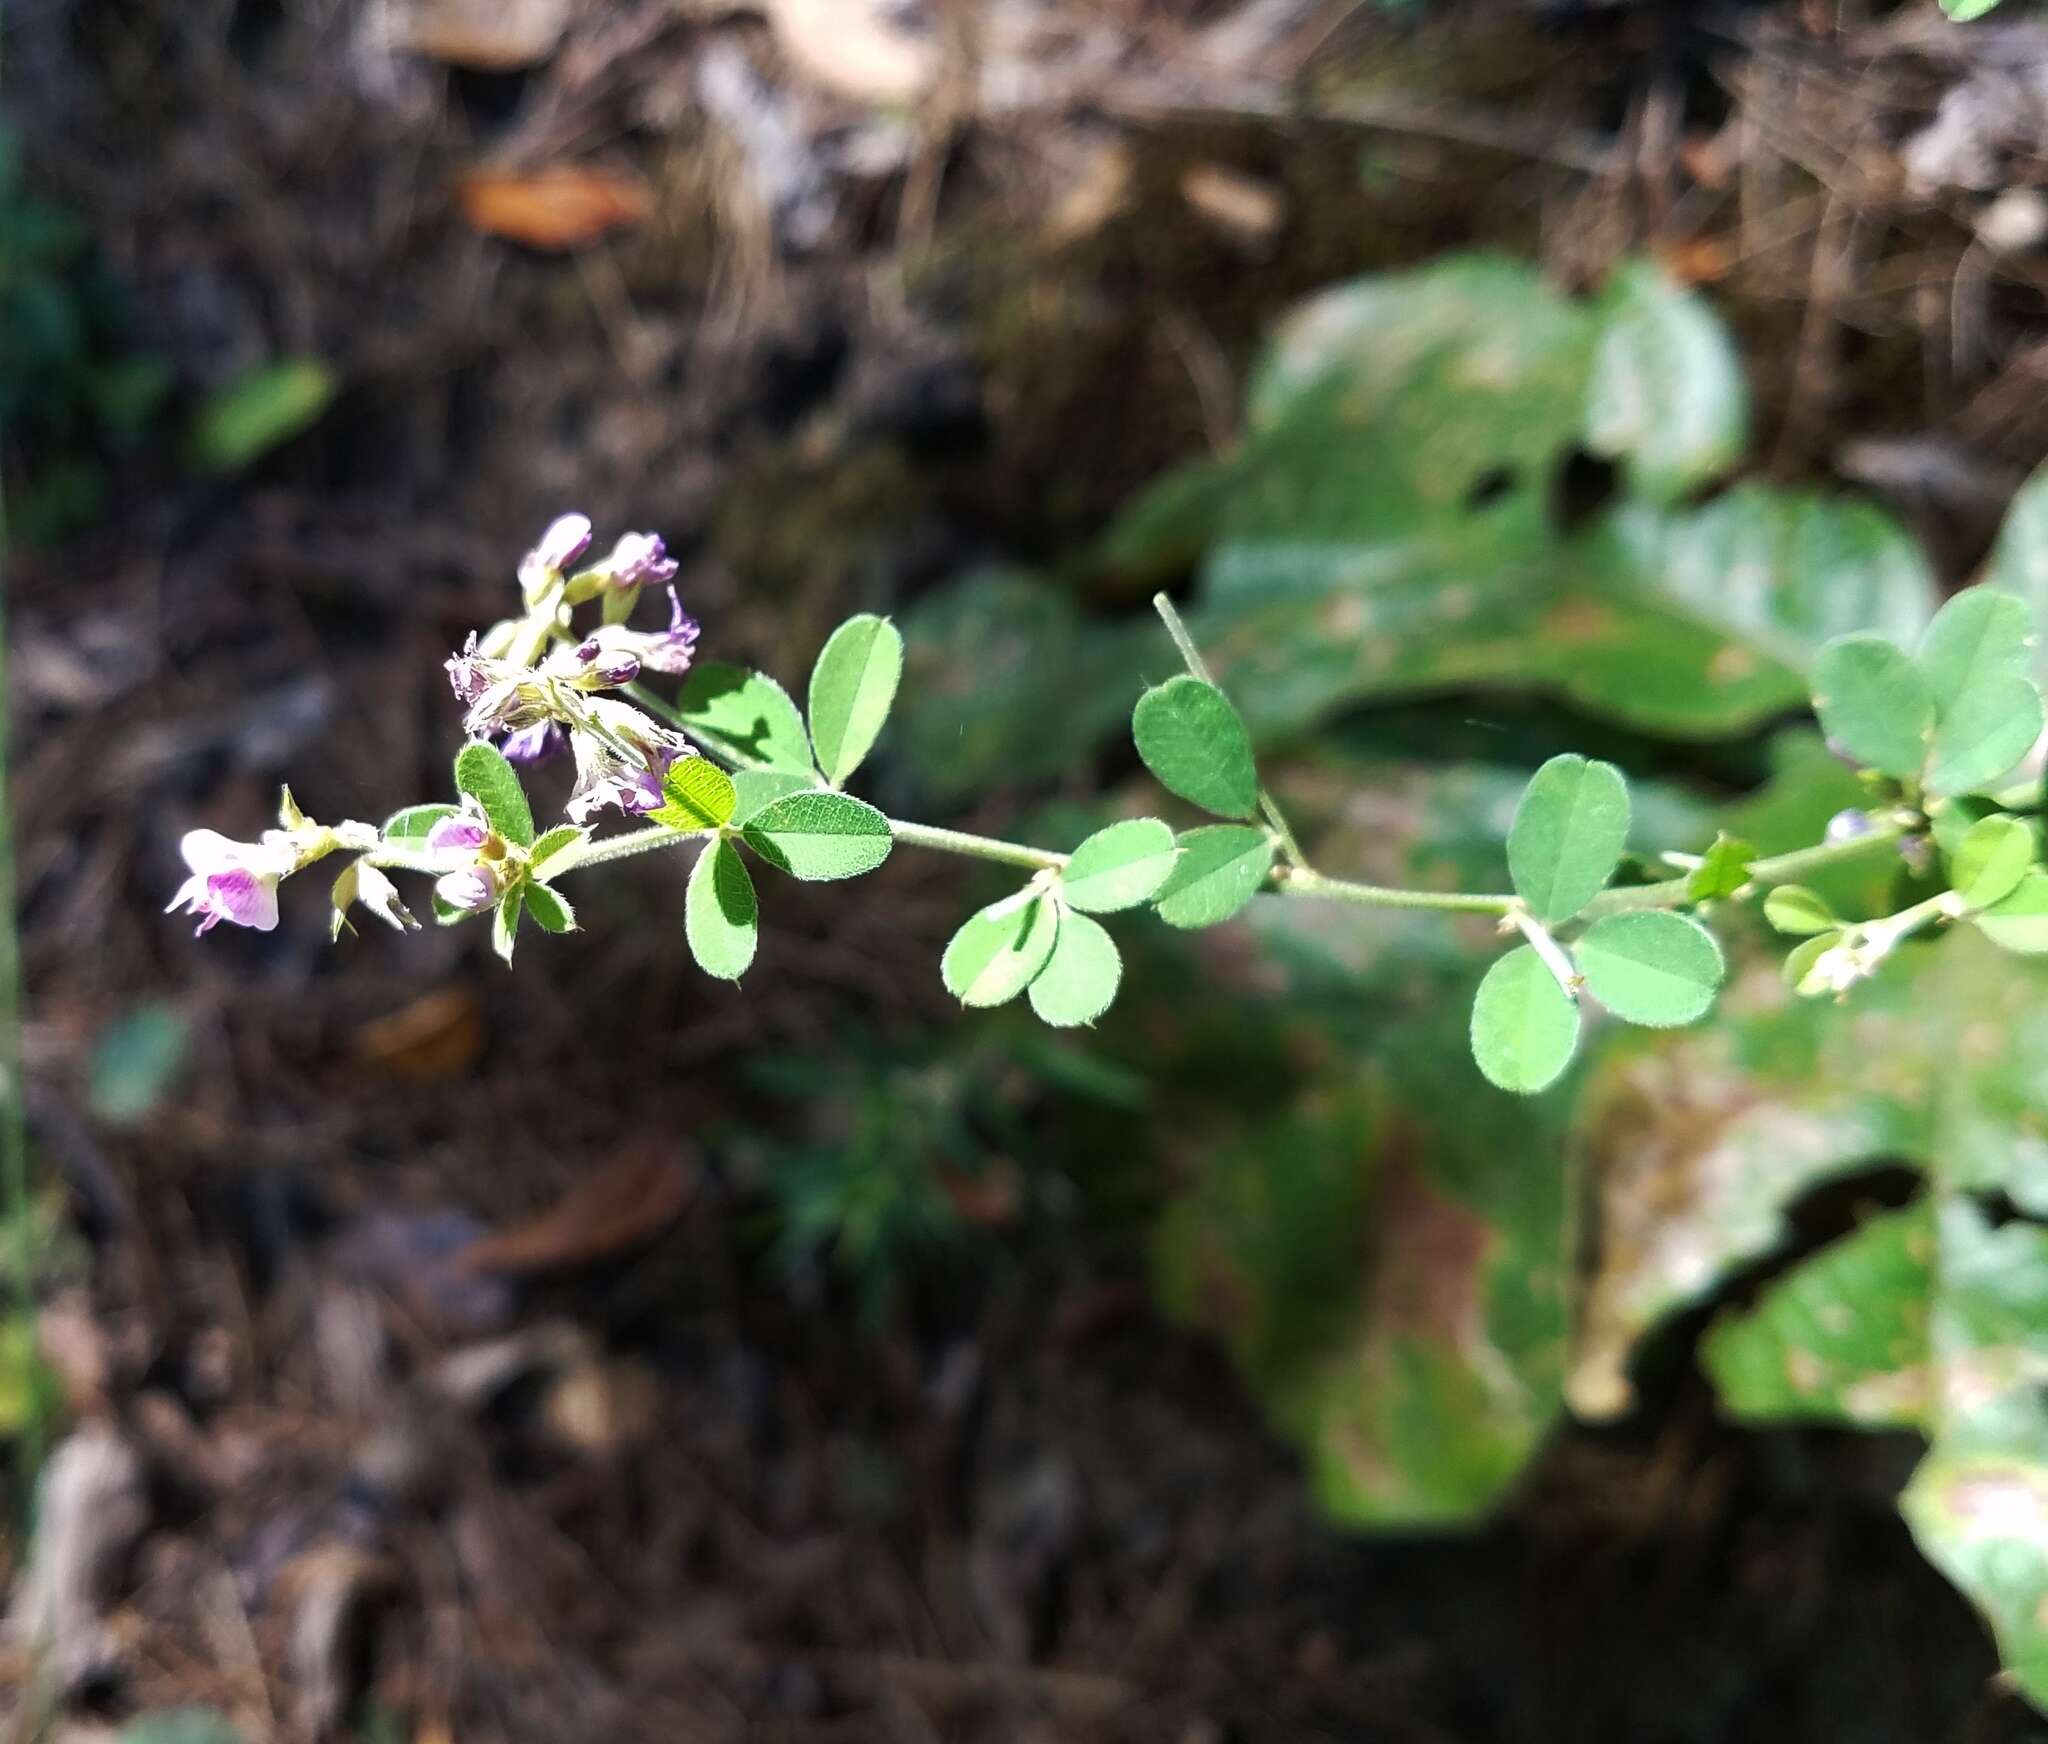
(1485, 382)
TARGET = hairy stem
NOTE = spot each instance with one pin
(1299, 881)
(1777, 869)
(975, 847)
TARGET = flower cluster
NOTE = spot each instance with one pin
(534, 685)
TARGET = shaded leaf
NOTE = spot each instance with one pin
(1792, 908)
(1984, 735)
(1667, 396)
(1525, 1026)
(1192, 740)
(135, 1061)
(1873, 703)
(1991, 859)
(747, 715)
(1220, 869)
(721, 914)
(754, 788)
(852, 688)
(2020, 921)
(549, 908)
(1568, 834)
(1656, 969)
(1980, 637)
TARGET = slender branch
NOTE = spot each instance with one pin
(975, 847)
(1777, 869)
(1199, 668)
(1299, 881)
(624, 847)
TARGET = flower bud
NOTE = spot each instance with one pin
(565, 540)
(473, 889)
(638, 559)
(458, 832)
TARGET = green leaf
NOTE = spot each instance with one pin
(1980, 637)
(1656, 969)
(1800, 961)
(551, 844)
(482, 772)
(747, 715)
(259, 410)
(1568, 834)
(1992, 859)
(721, 914)
(754, 788)
(1984, 736)
(1963, 11)
(999, 951)
(701, 796)
(1792, 908)
(135, 1061)
(505, 923)
(1936, 1319)
(1192, 740)
(820, 836)
(1220, 869)
(1525, 1026)
(852, 688)
(1079, 980)
(1119, 867)
(1722, 871)
(549, 908)
(1667, 396)
(2019, 922)
(1873, 703)
(415, 822)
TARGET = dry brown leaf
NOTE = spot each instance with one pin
(628, 1200)
(1699, 260)
(493, 35)
(1241, 206)
(558, 206)
(438, 1036)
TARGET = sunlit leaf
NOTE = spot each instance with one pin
(852, 687)
(1723, 869)
(1525, 1026)
(2019, 922)
(721, 914)
(1220, 869)
(1119, 867)
(699, 795)
(819, 836)
(1991, 859)
(549, 908)
(1079, 980)
(754, 788)
(998, 952)
(1792, 908)
(482, 772)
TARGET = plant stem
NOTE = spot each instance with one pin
(1299, 881)
(1778, 869)
(624, 847)
(975, 847)
(1191, 656)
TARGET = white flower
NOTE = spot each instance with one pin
(233, 881)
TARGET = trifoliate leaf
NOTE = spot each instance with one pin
(700, 795)
(1873, 703)
(1657, 969)
(1120, 867)
(818, 836)
(721, 914)
(852, 688)
(482, 772)
(550, 909)
(1792, 908)
(1221, 868)
(1524, 1024)
(1192, 739)
(1991, 860)
(1567, 836)
(1079, 980)
(998, 953)
(747, 715)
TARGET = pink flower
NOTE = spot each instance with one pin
(637, 559)
(231, 881)
(564, 541)
(672, 650)
(473, 889)
(469, 673)
(458, 832)
(534, 744)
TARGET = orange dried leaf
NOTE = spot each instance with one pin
(628, 1200)
(559, 206)
(436, 1037)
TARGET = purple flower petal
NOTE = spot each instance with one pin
(563, 542)
(534, 744)
(458, 832)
